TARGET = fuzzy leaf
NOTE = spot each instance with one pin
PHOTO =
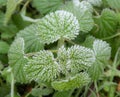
(11, 6)
(76, 58)
(80, 58)
(17, 60)
(88, 5)
(60, 24)
(42, 67)
(63, 59)
(114, 3)
(82, 13)
(107, 23)
(4, 47)
(46, 6)
(102, 52)
(79, 80)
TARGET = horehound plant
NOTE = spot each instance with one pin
(64, 67)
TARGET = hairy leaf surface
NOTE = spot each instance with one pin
(75, 58)
(42, 67)
(60, 24)
(83, 15)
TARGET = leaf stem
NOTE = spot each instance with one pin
(60, 42)
(113, 36)
(96, 87)
(12, 84)
(78, 92)
(70, 41)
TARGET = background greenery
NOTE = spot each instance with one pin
(97, 18)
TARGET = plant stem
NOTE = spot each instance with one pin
(60, 42)
(114, 66)
(12, 84)
(96, 87)
(69, 41)
(113, 36)
(78, 92)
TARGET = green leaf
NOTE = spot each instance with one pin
(11, 6)
(3, 2)
(3, 47)
(88, 5)
(46, 6)
(17, 60)
(76, 58)
(95, 2)
(19, 22)
(107, 23)
(114, 3)
(60, 24)
(82, 13)
(79, 80)
(62, 94)
(4, 90)
(9, 30)
(32, 40)
(44, 92)
(102, 52)
(89, 41)
(96, 70)
(80, 58)
(42, 67)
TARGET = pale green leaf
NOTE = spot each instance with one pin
(33, 42)
(79, 80)
(89, 41)
(42, 67)
(76, 58)
(41, 91)
(106, 22)
(95, 2)
(46, 6)
(11, 6)
(96, 70)
(88, 5)
(114, 3)
(102, 52)
(17, 60)
(60, 24)
(82, 13)
(4, 47)
(77, 3)
(80, 58)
